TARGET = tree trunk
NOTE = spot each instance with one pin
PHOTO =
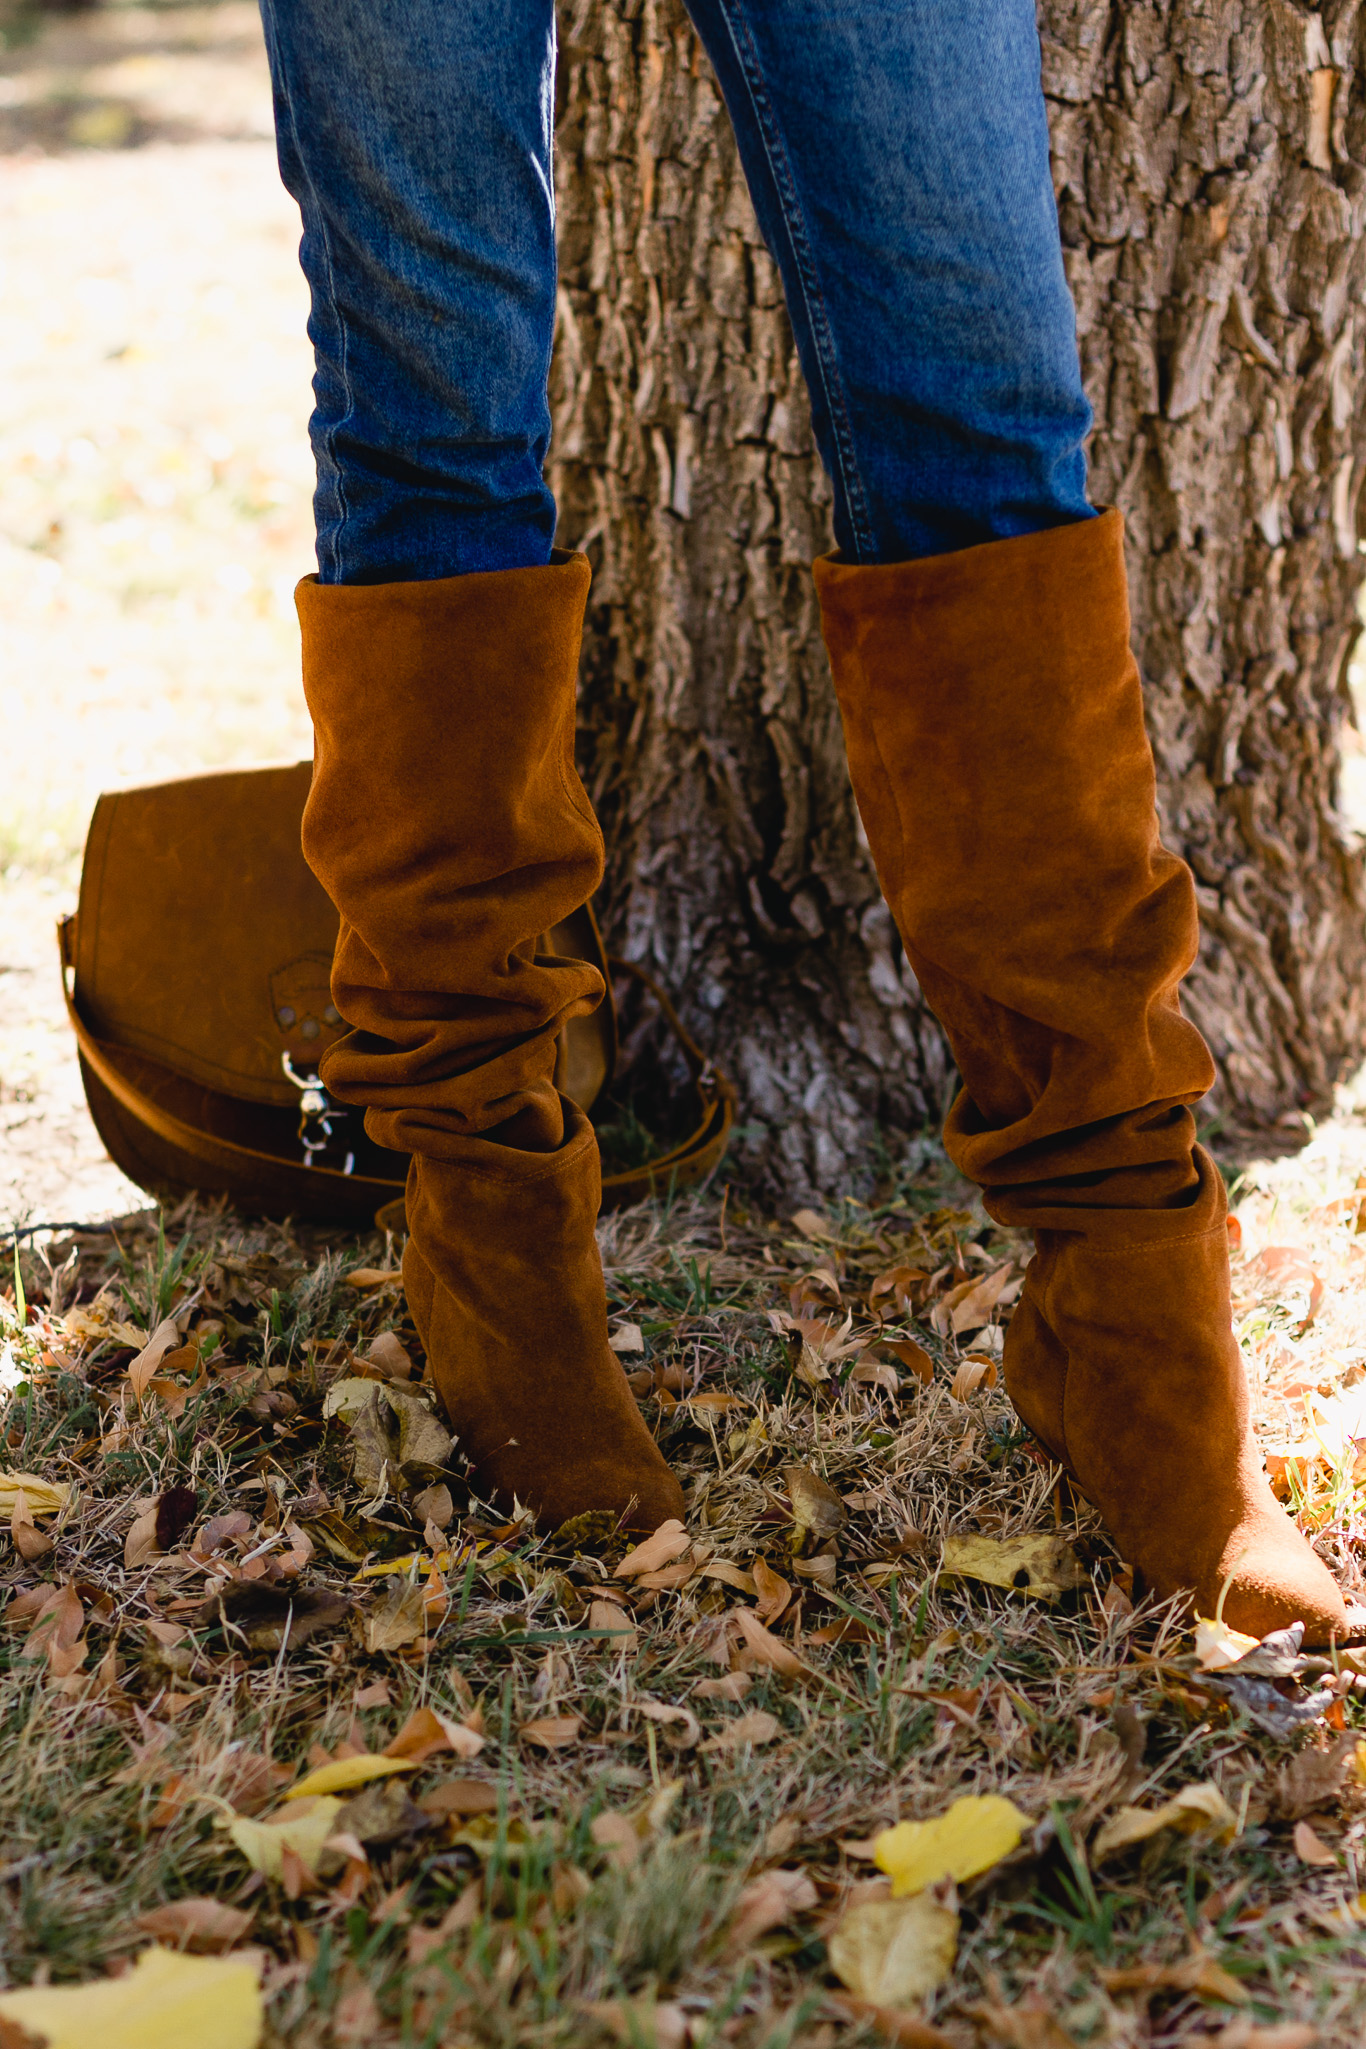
(1207, 160)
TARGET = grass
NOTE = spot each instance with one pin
(539, 1921)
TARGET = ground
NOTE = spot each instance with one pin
(641, 1796)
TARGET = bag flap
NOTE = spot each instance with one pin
(204, 941)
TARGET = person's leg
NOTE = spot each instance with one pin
(897, 153)
(416, 136)
(440, 652)
(978, 629)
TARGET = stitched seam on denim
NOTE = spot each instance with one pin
(770, 135)
(330, 437)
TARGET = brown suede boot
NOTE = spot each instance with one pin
(449, 826)
(994, 724)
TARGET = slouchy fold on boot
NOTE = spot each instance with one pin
(994, 725)
(448, 825)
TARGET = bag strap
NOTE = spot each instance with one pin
(696, 1156)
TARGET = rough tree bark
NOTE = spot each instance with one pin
(1208, 161)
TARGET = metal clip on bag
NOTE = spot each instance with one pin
(196, 972)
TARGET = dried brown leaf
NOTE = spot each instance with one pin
(204, 1925)
(669, 1541)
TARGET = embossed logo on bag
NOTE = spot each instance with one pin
(301, 1003)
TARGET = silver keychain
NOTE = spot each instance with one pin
(316, 1112)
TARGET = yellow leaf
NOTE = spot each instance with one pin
(42, 1496)
(1192, 1809)
(263, 1843)
(1216, 1644)
(347, 1772)
(1042, 1565)
(166, 2001)
(970, 1836)
(895, 1952)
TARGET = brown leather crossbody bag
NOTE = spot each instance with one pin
(196, 972)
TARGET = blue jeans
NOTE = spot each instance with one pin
(897, 153)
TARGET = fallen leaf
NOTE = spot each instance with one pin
(28, 1541)
(767, 1648)
(459, 1796)
(641, 2022)
(266, 1618)
(766, 1902)
(905, 2030)
(434, 1505)
(1280, 2035)
(613, 1621)
(817, 1510)
(1197, 1973)
(971, 1835)
(730, 1575)
(715, 1403)
(1314, 1778)
(165, 1338)
(627, 1337)
(203, 1925)
(1311, 1848)
(734, 1686)
(552, 1732)
(140, 1544)
(681, 1720)
(426, 1732)
(345, 1773)
(669, 1541)
(175, 1511)
(1028, 2024)
(875, 1373)
(1194, 1809)
(380, 1814)
(347, 1397)
(375, 1277)
(304, 1831)
(1217, 1645)
(1287, 1265)
(970, 1375)
(814, 1226)
(398, 1618)
(978, 1305)
(167, 2001)
(615, 1834)
(386, 1352)
(42, 1496)
(895, 1952)
(1041, 1565)
(423, 1439)
(912, 1356)
(773, 1591)
(755, 1727)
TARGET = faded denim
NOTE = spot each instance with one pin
(897, 153)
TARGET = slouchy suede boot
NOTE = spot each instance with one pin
(448, 825)
(994, 724)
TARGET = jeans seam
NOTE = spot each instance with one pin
(770, 137)
(330, 434)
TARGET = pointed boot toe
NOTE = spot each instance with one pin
(1270, 1576)
(1121, 1359)
(505, 1285)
